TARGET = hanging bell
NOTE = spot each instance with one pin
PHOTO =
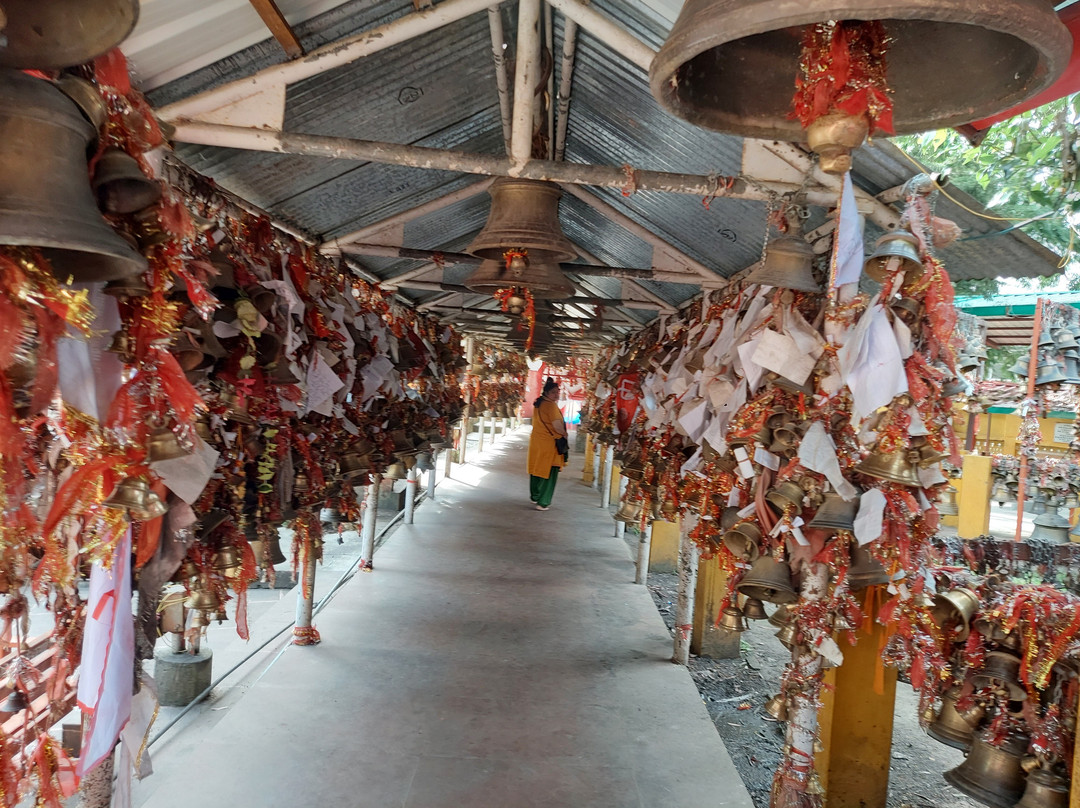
(1020, 368)
(730, 65)
(1045, 789)
(1072, 500)
(787, 494)
(777, 707)
(58, 215)
(353, 465)
(395, 471)
(63, 33)
(731, 619)
(781, 617)
(948, 726)
(895, 467)
(203, 598)
(1072, 370)
(901, 246)
(163, 445)
(301, 484)
(742, 540)
(835, 513)
(543, 279)
(274, 546)
(787, 635)
(130, 493)
(123, 288)
(1038, 504)
(1001, 671)
(227, 558)
(153, 508)
(16, 702)
(992, 775)
(1064, 339)
(946, 503)
(1002, 494)
(1046, 340)
(754, 609)
(769, 580)
(120, 185)
(90, 102)
(788, 264)
(123, 346)
(524, 216)
(953, 611)
(633, 470)
(865, 570)
(1051, 527)
(966, 363)
(1049, 373)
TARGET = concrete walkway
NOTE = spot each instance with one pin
(498, 657)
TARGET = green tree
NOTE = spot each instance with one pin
(1025, 170)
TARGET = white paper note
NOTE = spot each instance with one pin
(869, 519)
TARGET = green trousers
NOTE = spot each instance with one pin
(540, 490)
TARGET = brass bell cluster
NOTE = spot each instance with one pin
(1058, 356)
(134, 496)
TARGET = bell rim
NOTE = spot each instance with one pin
(63, 56)
(1052, 42)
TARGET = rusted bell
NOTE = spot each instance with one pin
(787, 494)
(120, 185)
(163, 445)
(731, 619)
(629, 512)
(395, 471)
(730, 65)
(865, 570)
(1045, 789)
(895, 467)
(1049, 372)
(45, 137)
(901, 246)
(948, 726)
(64, 33)
(835, 513)
(769, 580)
(993, 776)
(946, 504)
(777, 707)
(524, 216)
(543, 279)
(1051, 526)
(955, 608)
(788, 264)
(754, 609)
(1001, 670)
(742, 540)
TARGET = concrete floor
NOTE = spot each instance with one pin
(497, 657)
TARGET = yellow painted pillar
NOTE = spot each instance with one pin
(616, 480)
(974, 498)
(601, 449)
(587, 473)
(706, 639)
(1010, 430)
(664, 547)
(1074, 794)
(856, 725)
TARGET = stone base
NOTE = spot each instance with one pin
(719, 643)
(181, 677)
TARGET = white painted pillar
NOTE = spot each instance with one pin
(303, 634)
(449, 461)
(684, 600)
(597, 451)
(410, 495)
(431, 475)
(480, 440)
(620, 526)
(371, 511)
(609, 463)
(642, 568)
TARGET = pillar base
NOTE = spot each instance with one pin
(719, 643)
(181, 677)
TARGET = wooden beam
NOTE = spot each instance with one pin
(279, 27)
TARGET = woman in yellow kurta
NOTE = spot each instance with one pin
(544, 460)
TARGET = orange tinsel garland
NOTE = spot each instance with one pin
(528, 315)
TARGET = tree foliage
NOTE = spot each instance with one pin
(1025, 170)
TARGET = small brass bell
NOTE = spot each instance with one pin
(234, 409)
(898, 245)
(633, 470)
(777, 707)
(946, 504)
(153, 507)
(787, 494)
(1045, 789)
(835, 513)
(787, 635)
(203, 598)
(130, 493)
(788, 264)
(163, 445)
(732, 619)
(395, 471)
(895, 467)
(227, 558)
(301, 483)
(955, 608)
(865, 570)
(1001, 670)
(781, 617)
(994, 776)
(754, 609)
(742, 540)
(769, 580)
(16, 702)
(948, 726)
(120, 185)
(123, 346)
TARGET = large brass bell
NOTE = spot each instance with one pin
(1049, 372)
(946, 504)
(730, 65)
(787, 494)
(895, 467)
(64, 33)
(948, 726)
(395, 471)
(1064, 339)
(901, 246)
(133, 494)
(953, 611)
(754, 609)
(524, 216)
(163, 445)
(120, 185)
(835, 513)
(1045, 789)
(1001, 670)
(1051, 527)
(788, 264)
(543, 279)
(273, 547)
(732, 619)
(48, 203)
(629, 512)
(865, 570)
(769, 580)
(742, 540)
(993, 776)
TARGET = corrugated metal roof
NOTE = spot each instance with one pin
(439, 90)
